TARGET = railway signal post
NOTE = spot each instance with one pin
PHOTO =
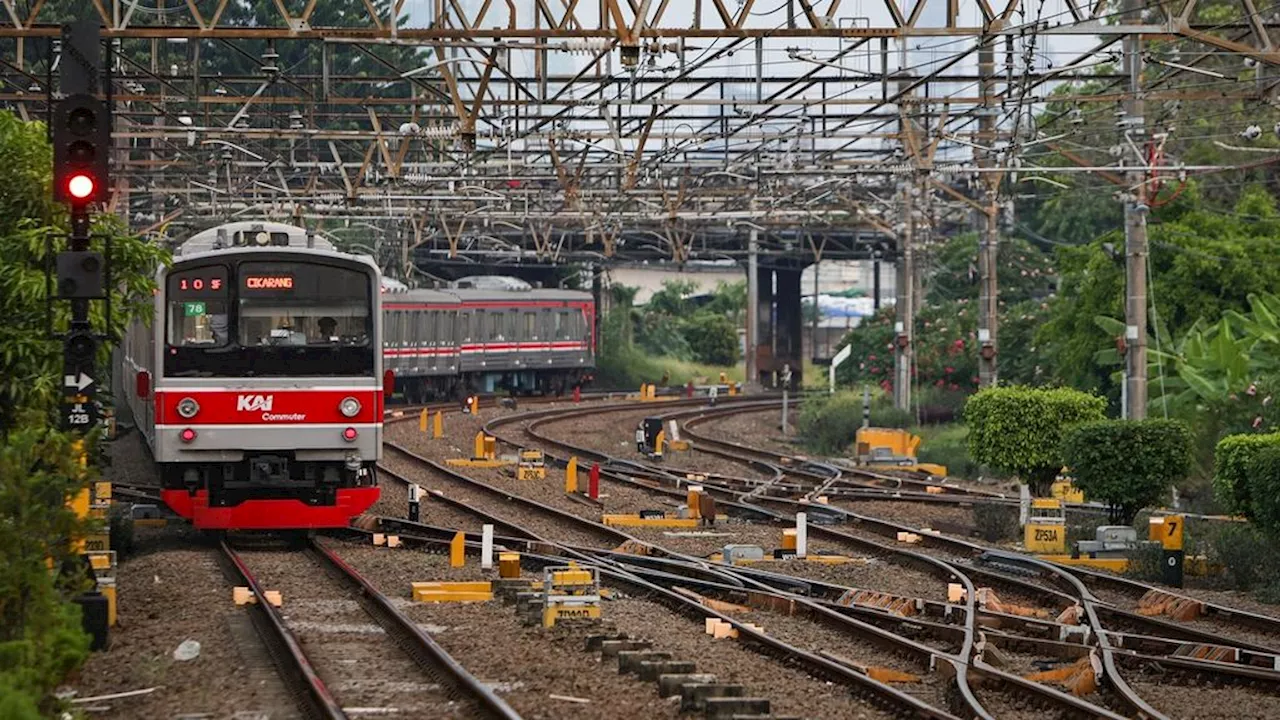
(81, 136)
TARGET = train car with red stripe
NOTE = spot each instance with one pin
(489, 334)
(259, 383)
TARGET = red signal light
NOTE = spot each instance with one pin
(80, 186)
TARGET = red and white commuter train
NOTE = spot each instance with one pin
(260, 382)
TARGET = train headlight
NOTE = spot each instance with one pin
(188, 407)
(349, 407)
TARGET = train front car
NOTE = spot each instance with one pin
(268, 401)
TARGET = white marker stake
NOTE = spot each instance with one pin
(486, 547)
(802, 535)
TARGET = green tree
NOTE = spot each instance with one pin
(1023, 272)
(730, 300)
(40, 636)
(1202, 264)
(31, 361)
(713, 339)
(1020, 430)
(1128, 464)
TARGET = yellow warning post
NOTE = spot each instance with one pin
(437, 426)
(457, 550)
(571, 475)
(422, 420)
(1167, 530)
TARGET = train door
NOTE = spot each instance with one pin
(432, 325)
(392, 341)
(461, 334)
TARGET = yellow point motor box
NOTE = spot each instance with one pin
(1046, 528)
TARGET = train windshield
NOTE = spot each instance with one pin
(317, 305)
(270, 318)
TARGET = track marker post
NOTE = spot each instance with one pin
(1169, 531)
(486, 547)
(422, 420)
(802, 534)
(457, 550)
(415, 503)
(437, 425)
(571, 475)
(593, 486)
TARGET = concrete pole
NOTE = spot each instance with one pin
(905, 307)
(1135, 226)
(988, 240)
(753, 306)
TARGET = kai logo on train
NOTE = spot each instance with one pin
(255, 403)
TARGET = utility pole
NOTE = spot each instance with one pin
(988, 240)
(904, 309)
(753, 306)
(904, 285)
(1133, 126)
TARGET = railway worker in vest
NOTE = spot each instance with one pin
(328, 329)
(707, 508)
(640, 438)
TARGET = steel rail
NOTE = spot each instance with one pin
(300, 676)
(951, 572)
(425, 651)
(814, 662)
(1187, 665)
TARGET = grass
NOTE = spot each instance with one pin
(947, 444)
(630, 369)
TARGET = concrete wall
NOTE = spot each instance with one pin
(832, 277)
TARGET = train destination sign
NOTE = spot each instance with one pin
(268, 282)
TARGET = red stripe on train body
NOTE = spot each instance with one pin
(266, 406)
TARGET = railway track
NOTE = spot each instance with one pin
(871, 624)
(1192, 645)
(316, 642)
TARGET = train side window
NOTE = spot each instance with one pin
(531, 326)
(562, 325)
(464, 325)
(495, 326)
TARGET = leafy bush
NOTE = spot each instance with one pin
(713, 339)
(40, 635)
(828, 424)
(1231, 460)
(1128, 464)
(1020, 430)
(1245, 554)
(1264, 490)
(1146, 563)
